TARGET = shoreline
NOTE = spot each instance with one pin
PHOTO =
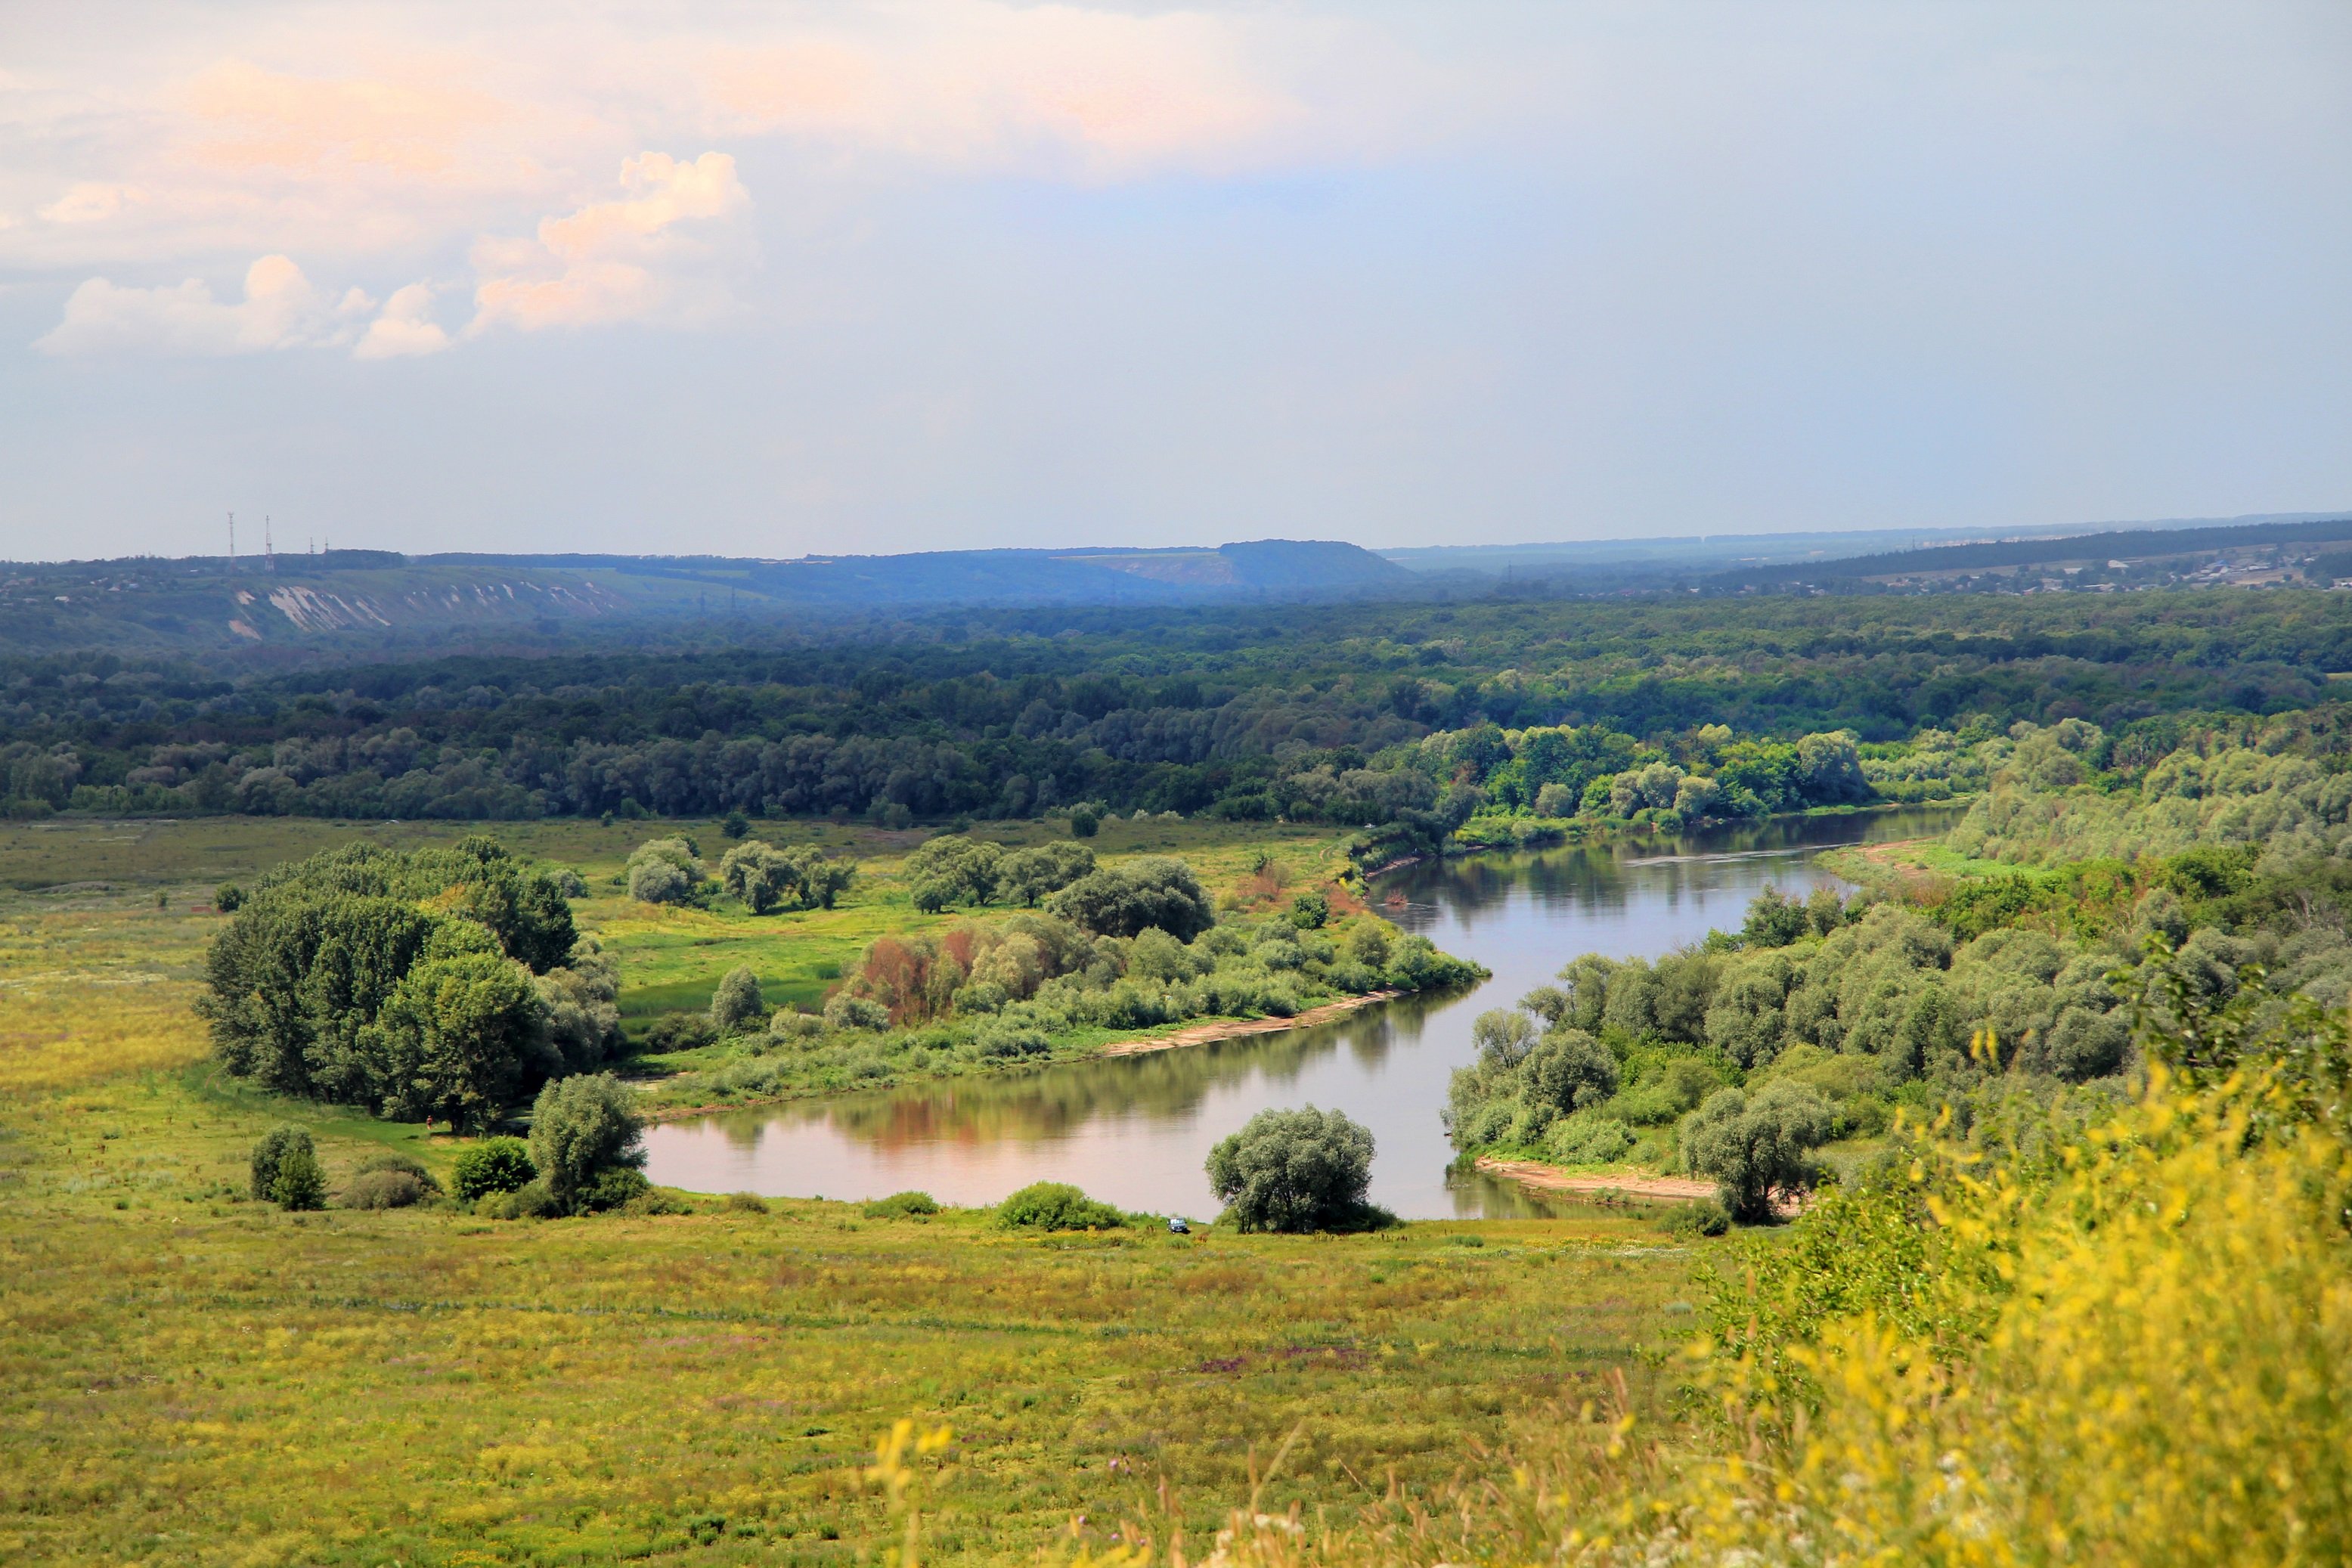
(1235, 1028)
(1175, 1039)
(1552, 1179)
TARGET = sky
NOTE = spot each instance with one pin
(780, 279)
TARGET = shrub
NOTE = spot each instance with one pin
(747, 1203)
(581, 1128)
(1057, 1205)
(616, 1187)
(1588, 1141)
(533, 1200)
(1310, 910)
(387, 1188)
(736, 1002)
(681, 1031)
(1368, 943)
(1706, 1217)
(846, 1012)
(228, 898)
(271, 1152)
(1084, 823)
(1293, 1171)
(903, 1205)
(1755, 1145)
(494, 1165)
(735, 826)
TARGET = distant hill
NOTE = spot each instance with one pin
(372, 597)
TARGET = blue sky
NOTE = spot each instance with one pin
(773, 280)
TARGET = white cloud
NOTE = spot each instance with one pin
(618, 260)
(405, 327)
(281, 309)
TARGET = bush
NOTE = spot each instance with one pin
(1755, 1145)
(904, 1206)
(1057, 1205)
(1706, 1217)
(616, 1187)
(228, 898)
(1368, 943)
(847, 1012)
(582, 1129)
(1084, 823)
(270, 1153)
(950, 870)
(533, 1200)
(747, 1203)
(494, 1165)
(736, 1002)
(386, 1188)
(1310, 910)
(1293, 1171)
(735, 826)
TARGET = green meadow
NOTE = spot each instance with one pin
(195, 1378)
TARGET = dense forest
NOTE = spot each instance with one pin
(1344, 714)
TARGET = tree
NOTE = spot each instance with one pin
(1567, 1070)
(228, 898)
(1085, 822)
(1293, 1171)
(1775, 920)
(664, 871)
(1124, 900)
(759, 874)
(950, 870)
(300, 1183)
(582, 1128)
(269, 1157)
(1755, 1145)
(1368, 943)
(767, 879)
(493, 1165)
(1025, 877)
(736, 1002)
(458, 1032)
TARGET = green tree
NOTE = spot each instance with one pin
(1293, 1171)
(299, 1184)
(458, 1032)
(1123, 900)
(1027, 876)
(664, 871)
(269, 1154)
(951, 870)
(736, 1001)
(581, 1127)
(1755, 1145)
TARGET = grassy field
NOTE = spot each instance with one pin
(192, 1378)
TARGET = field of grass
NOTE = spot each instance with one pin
(186, 1377)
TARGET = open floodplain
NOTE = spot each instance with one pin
(192, 1377)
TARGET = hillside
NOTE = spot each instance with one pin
(369, 597)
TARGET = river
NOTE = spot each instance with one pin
(1134, 1131)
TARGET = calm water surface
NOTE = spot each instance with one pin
(1136, 1130)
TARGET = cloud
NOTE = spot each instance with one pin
(405, 327)
(281, 309)
(618, 260)
(1045, 90)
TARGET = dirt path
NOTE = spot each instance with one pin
(1548, 1178)
(1233, 1028)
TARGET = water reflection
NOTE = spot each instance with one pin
(1135, 1130)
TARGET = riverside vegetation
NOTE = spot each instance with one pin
(2061, 1081)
